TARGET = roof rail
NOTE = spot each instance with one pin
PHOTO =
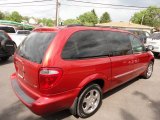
(74, 25)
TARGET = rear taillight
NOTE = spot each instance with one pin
(48, 77)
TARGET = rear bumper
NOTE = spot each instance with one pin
(45, 105)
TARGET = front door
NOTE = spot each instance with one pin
(140, 54)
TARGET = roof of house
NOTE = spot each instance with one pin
(125, 25)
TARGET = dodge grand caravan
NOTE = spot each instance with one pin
(71, 67)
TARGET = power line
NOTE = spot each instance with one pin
(79, 1)
(112, 7)
(29, 5)
(36, 1)
(118, 5)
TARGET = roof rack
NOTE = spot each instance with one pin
(75, 25)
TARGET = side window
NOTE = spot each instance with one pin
(119, 43)
(85, 44)
(137, 45)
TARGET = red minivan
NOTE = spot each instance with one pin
(71, 67)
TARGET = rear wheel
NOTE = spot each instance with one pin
(149, 70)
(89, 101)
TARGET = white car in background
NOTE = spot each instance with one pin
(154, 40)
(17, 35)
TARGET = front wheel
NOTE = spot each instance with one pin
(149, 71)
(89, 101)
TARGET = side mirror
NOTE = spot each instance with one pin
(149, 48)
(143, 39)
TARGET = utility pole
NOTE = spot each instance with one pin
(142, 19)
(57, 10)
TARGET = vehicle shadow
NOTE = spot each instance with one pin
(17, 111)
(57, 116)
(113, 91)
(10, 60)
(126, 115)
(152, 104)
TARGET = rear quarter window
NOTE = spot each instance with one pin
(85, 44)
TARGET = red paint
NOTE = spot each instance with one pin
(73, 74)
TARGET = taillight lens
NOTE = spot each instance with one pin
(48, 77)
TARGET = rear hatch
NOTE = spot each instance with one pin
(29, 56)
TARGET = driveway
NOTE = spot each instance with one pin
(138, 99)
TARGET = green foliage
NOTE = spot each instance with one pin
(26, 18)
(105, 18)
(71, 21)
(14, 16)
(149, 16)
(46, 22)
(88, 18)
(2, 15)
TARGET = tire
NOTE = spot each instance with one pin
(148, 73)
(5, 58)
(9, 46)
(89, 101)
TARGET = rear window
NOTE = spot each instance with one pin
(3, 36)
(8, 29)
(34, 46)
(155, 36)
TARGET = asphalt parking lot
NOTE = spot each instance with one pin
(138, 99)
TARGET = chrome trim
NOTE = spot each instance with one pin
(20, 76)
(126, 73)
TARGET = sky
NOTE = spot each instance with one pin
(67, 10)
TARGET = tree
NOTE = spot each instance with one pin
(2, 15)
(7, 16)
(14, 16)
(71, 21)
(105, 18)
(149, 16)
(46, 22)
(88, 18)
(26, 18)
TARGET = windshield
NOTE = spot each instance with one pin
(34, 46)
(8, 29)
(155, 36)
